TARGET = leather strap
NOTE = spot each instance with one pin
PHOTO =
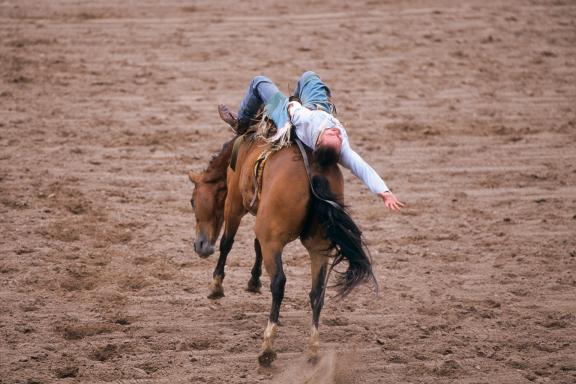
(257, 175)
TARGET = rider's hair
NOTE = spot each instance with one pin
(326, 155)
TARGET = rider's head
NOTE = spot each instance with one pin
(328, 147)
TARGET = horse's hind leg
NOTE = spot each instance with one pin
(272, 257)
(254, 282)
(318, 249)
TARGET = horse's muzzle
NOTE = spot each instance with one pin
(203, 247)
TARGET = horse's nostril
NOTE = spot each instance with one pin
(203, 247)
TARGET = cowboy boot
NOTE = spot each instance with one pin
(229, 117)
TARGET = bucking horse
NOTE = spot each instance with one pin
(292, 198)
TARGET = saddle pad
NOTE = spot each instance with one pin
(235, 148)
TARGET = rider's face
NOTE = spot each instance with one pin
(331, 137)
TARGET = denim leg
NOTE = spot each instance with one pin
(260, 90)
(302, 81)
(313, 92)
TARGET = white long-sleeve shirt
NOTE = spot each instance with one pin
(310, 124)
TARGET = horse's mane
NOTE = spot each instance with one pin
(216, 169)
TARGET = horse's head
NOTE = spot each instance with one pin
(208, 204)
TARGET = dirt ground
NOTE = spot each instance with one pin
(466, 108)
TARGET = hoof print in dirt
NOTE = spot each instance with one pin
(448, 368)
(67, 371)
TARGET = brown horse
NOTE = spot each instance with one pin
(288, 208)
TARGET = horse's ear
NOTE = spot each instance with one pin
(194, 177)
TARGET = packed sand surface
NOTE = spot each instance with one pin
(466, 108)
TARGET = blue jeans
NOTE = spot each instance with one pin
(259, 92)
(311, 90)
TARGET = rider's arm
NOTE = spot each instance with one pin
(361, 169)
(300, 117)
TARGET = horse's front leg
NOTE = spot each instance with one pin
(216, 288)
(272, 258)
(254, 282)
(232, 222)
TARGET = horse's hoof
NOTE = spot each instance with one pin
(253, 287)
(215, 295)
(313, 353)
(266, 358)
(313, 358)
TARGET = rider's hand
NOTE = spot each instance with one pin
(390, 201)
(293, 104)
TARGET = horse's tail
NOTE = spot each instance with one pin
(344, 236)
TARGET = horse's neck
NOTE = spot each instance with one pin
(218, 166)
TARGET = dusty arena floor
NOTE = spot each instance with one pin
(466, 108)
